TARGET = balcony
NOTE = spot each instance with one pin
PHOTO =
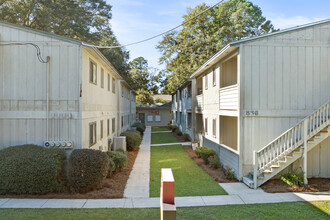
(229, 97)
(199, 103)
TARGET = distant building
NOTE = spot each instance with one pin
(157, 114)
(77, 99)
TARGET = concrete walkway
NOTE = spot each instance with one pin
(182, 143)
(238, 194)
(138, 182)
(160, 132)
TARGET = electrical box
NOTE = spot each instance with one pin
(119, 142)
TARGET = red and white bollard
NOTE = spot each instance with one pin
(167, 204)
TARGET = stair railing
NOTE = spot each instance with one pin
(289, 141)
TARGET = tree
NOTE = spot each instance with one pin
(144, 97)
(139, 73)
(184, 51)
(85, 20)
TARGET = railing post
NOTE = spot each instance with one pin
(255, 169)
(305, 151)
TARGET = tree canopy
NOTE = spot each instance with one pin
(184, 51)
(85, 20)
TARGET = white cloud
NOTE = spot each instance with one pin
(281, 21)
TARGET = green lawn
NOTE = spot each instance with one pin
(159, 129)
(190, 179)
(163, 138)
(293, 210)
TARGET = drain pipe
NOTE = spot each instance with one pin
(47, 94)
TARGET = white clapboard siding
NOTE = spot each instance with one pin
(284, 78)
(229, 98)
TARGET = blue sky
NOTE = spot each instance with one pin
(134, 20)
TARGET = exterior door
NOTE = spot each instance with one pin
(141, 117)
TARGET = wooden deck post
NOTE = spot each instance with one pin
(167, 203)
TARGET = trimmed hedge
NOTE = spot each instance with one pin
(178, 132)
(206, 153)
(87, 169)
(187, 137)
(133, 140)
(198, 151)
(112, 167)
(174, 128)
(140, 127)
(31, 169)
(214, 161)
(119, 159)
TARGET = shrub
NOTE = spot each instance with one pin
(133, 140)
(87, 169)
(174, 128)
(31, 169)
(293, 178)
(112, 167)
(229, 173)
(140, 127)
(214, 161)
(206, 153)
(178, 132)
(187, 137)
(119, 158)
(198, 151)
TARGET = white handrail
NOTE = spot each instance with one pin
(290, 140)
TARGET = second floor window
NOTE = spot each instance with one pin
(101, 129)
(108, 82)
(113, 125)
(102, 78)
(92, 72)
(113, 85)
(108, 127)
(214, 127)
(214, 77)
(205, 124)
(206, 82)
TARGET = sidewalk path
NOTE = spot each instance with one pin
(182, 143)
(138, 183)
(243, 197)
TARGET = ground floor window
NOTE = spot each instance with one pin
(205, 125)
(150, 118)
(122, 121)
(189, 120)
(214, 127)
(92, 133)
(157, 118)
(101, 129)
(113, 125)
(108, 127)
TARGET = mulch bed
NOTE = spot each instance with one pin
(180, 138)
(111, 188)
(217, 174)
(314, 185)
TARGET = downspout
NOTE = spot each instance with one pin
(47, 94)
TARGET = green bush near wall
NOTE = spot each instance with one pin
(87, 169)
(31, 169)
(119, 159)
(133, 140)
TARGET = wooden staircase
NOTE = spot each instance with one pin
(290, 146)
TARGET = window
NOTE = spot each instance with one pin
(102, 78)
(157, 118)
(92, 72)
(113, 85)
(189, 90)
(109, 82)
(206, 82)
(214, 127)
(150, 118)
(113, 125)
(101, 129)
(205, 125)
(189, 120)
(92, 133)
(108, 127)
(181, 119)
(122, 121)
(214, 77)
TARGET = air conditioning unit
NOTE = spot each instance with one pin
(119, 142)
